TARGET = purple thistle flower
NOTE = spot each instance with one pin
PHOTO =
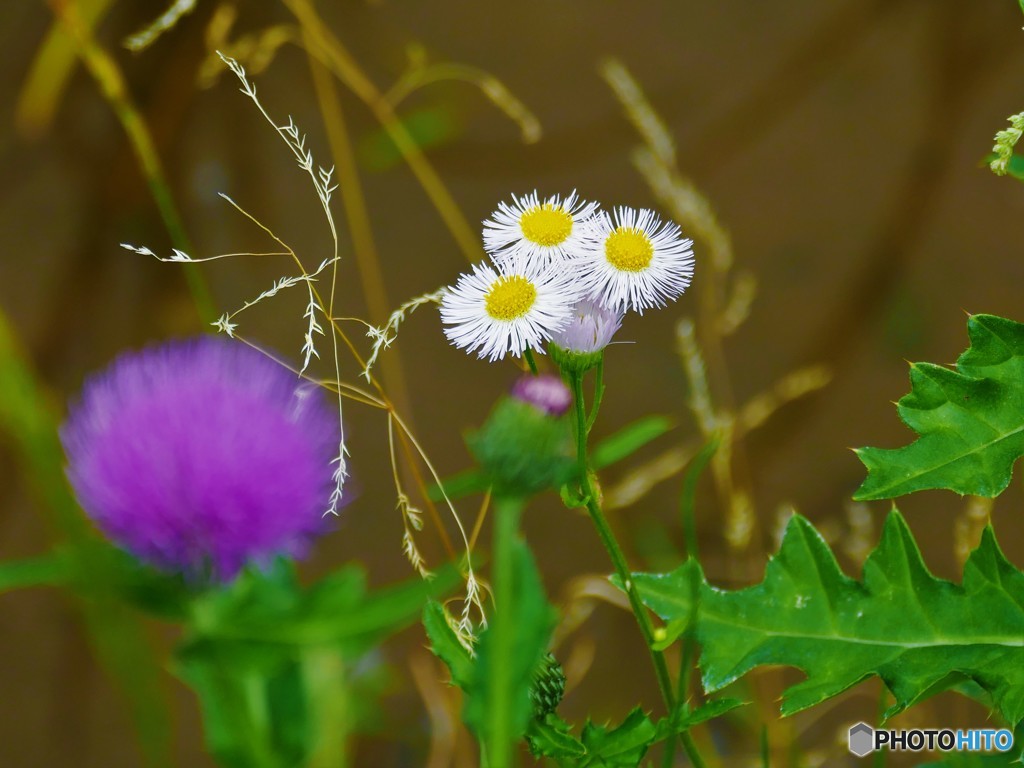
(201, 456)
(546, 393)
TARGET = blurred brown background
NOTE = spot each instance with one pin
(839, 143)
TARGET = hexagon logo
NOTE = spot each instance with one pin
(862, 739)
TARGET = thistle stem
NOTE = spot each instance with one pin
(507, 511)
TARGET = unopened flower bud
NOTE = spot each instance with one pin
(579, 345)
(547, 393)
(526, 444)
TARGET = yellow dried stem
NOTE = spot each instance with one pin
(421, 74)
(668, 464)
(108, 77)
(329, 50)
(968, 527)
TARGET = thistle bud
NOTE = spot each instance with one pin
(526, 444)
(548, 686)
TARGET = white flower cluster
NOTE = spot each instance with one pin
(562, 269)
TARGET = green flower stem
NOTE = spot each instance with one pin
(528, 354)
(618, 559)
(598, 393)
(688, 505)
(507, 511)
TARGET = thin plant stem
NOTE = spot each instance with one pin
(530, 361)
(688, 497)
(688, 504)
(881, 755)
(622, 570)
(507, 511)
(598, 392)
(111, 82)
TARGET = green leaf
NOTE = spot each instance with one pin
(267, 657)
(707, 711)
(338, 611)
(624, 745)
(445, 644)
(918, 633)
(46, 570)
(1015, 167)
(253, 703)
(970, 421)
(532, 623)
(268, 606)
(464, 483)
(620, 747)
(551, 737)
(629, 440)
(428, 127)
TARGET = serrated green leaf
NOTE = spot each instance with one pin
(532, 623)
(446, 646)
(970, 421)
(920, 634)
(552, 737)
(620, 747)
(708, 711)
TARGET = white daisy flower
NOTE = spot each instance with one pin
(510, 309)
(633, 261)
(545, 231)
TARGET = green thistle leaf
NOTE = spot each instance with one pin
(970, 421)
(920, 634)
(621, 747)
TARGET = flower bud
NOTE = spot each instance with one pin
(548, 686)
(579, 345)
(526, 444)
(546, 393)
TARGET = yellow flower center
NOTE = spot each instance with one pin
(546, 225)
(628, 249)
(510, 297)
